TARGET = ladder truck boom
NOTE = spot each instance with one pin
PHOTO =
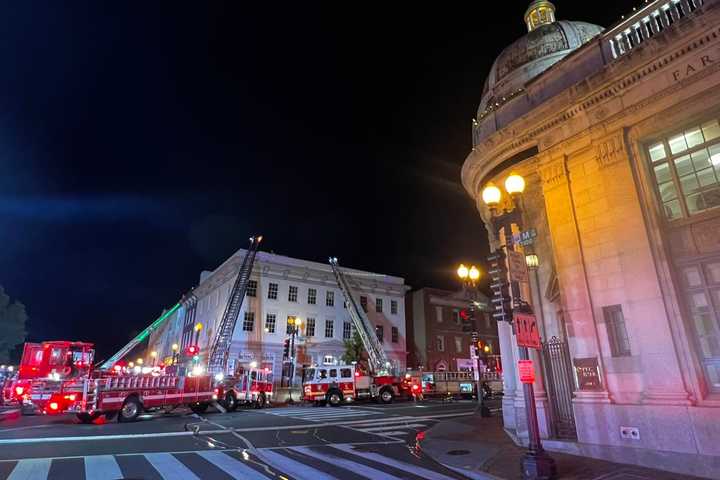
(378, 360)
(108, 364)
(220, 348)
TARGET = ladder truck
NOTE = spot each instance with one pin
(59, 376)
(338, 384)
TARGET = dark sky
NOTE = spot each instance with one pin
(142, 142)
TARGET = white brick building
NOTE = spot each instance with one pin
(282, 287)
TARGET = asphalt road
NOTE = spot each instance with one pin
(298, 442)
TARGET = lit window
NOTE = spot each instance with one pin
(310, 327)
(439, 314)
(458, 344)
(292, 293)
(440, 343)
(273, 291)
(329, 299)
(249, 322)
(393, 307)
(688, 179)
(270, 320)
(312, 296)
(379, 305)
(394, 334)
(329, 328)
(251, 288)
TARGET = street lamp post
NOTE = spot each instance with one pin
(536, 463)
(469, 278)
(294, 324)
(175, 348)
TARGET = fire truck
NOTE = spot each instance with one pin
(338, 384)
(60, 377)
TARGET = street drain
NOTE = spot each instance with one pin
(458, 452)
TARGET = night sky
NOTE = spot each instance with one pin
(142, 142)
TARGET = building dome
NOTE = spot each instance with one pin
(547, 42)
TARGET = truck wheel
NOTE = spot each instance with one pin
(334, 399)
(230, 403)
(86, 417)
(261, 400)
(386, 396)
(130, 410)
(199, 407)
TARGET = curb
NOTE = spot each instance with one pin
(9, 414)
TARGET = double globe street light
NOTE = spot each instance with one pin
(536, 463)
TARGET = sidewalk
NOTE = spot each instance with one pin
(481, 447)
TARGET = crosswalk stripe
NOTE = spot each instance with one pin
(407, 467)
(169, 467)
(102, 467)
(232, 467)
(299, 470)
(31, 469)
(358, 468)
(392, 434)
(390, 427)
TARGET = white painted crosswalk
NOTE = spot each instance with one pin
(322, 414)
(392, 427)
(326, 462)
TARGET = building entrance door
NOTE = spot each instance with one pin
(560, 387)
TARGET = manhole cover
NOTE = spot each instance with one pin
(458, 452)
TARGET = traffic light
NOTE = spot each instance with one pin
(192, 350)
(467, 319)
(286, 348)
(502, 300)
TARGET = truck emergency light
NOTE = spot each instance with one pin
(19, 390)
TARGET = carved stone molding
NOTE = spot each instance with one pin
(553, 173)
(609, 151)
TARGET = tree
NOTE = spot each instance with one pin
(354, 349)
(12, 326)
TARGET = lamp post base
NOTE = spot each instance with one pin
(538, 466)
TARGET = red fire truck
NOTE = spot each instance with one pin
(58, 377)
(246, 387)
(338, 384)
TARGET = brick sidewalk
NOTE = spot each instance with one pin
(482, 448)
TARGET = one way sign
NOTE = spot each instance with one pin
(526, 330)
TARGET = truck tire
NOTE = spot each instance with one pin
(130, 410)
(230, 402)
(86, 417)
(199, 407)
(386, 396)
(334, 398)
(260, 401)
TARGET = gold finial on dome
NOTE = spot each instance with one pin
(540, 12)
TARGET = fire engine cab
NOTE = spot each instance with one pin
(251, 386)
(338, 384)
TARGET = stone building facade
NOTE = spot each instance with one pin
(282, 287)
(436, 340)
(617, 135)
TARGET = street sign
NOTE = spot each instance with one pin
(525, 238)
(526, 371)
(526, 330)
(517, 266)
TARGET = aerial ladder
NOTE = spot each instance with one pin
(220, 348)
(110, 362)
(378, 362)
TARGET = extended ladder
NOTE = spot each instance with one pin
(220, 349)
(110, 362)
(378, 361)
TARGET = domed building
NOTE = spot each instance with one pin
(616, 134)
